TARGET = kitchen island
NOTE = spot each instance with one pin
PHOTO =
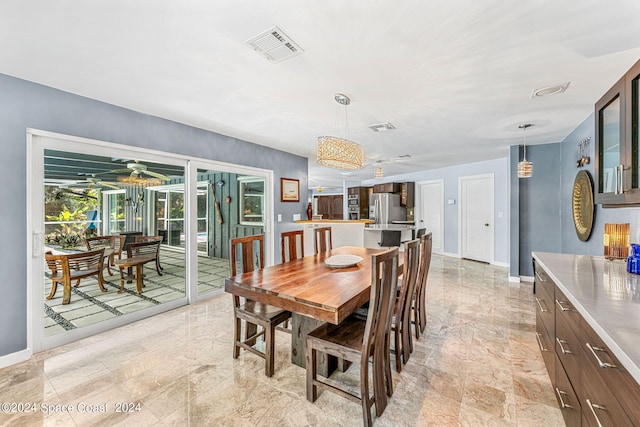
(373, 233)
(343, 232)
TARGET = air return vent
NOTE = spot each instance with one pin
(274, 45)
(381, 127)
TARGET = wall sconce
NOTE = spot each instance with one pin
(616, 241)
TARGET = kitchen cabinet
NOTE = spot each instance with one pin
(389, 187)
(592, 386)
(407, 194)
(362, 197)
(617, 157)
(330, 207)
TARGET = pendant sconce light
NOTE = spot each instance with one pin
(340, 153)
(378, 172)
(525, 167)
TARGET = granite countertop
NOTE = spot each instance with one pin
(606, 296)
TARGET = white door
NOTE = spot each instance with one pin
(431, 215)
(476, 217)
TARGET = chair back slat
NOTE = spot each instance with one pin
(290, 241)
(409, 279)
(99, 242)
(323, 239)
(140, 239)
(426, 245)
(82, 261)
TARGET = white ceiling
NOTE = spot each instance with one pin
(454, 77)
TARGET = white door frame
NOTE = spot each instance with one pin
(37, 141)
(418, 212)
(460, 204)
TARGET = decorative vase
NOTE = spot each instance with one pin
(309, 211)
(633, 260)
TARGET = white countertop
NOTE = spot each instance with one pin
(378, 227)
(606, 296)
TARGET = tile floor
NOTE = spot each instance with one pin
(90, 305)
(478, 365)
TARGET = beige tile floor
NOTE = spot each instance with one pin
(478, 365)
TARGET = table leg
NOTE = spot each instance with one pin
(139, 278)
(300, 327)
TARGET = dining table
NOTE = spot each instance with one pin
(313, 291)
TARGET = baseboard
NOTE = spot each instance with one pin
(501, 264)
(515, 279)
(529, 279)
(17, 357)
(449, 254)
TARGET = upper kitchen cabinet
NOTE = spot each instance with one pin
(388, 187)
(617, 157)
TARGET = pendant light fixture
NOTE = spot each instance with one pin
(378, 172)
(525, 167)
(340, 153)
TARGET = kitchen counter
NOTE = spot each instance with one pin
(307, 221)
(389, 227)
(607, 297)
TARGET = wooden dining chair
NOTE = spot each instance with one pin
(253, 313)
(140, 239)
(292, 245)
(322, 236)
(419, 294)
(67, 268)
(98, 242)
(401, 320)
(138, 254)
(118, 245)
(357, 340)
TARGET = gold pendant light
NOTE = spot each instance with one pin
(340, 153)
(525, 168)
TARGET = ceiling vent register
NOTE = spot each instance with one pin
(274, 45)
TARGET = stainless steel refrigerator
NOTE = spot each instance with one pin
(385, 207)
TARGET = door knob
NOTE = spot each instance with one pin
(486, 224)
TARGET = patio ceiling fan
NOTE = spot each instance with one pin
(137, 170)
(94, 182)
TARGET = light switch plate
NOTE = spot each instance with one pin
(296, 217)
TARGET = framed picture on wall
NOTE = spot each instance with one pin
(289, 190)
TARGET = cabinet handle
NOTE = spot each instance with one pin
(540, 342)
(539, 277)
(600, 362)
(593, 408)
(543, 310)
(562, 307)
(562, 347)
(562, 404)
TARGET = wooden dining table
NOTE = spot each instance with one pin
(312, 291)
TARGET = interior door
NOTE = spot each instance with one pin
(432, 212)
(476, 217)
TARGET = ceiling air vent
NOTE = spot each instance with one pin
(381, 127)
(549, 90)
(274, 45)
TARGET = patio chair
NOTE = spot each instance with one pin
(67, 268)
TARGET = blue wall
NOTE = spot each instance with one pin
(27, 105)
(544, 219)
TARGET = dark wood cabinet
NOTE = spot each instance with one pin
(388, 187)
(591, 386)
(617, 177)
(330, 206)
(407, 194)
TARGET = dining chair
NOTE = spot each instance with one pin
(401, 320)
(253, 313)
(358, 340)
(67, 268)
(420, 232)
(98, 242)
(390, 238)
(292, 245)
(419, 294)
(323, 239)
(140, 239)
